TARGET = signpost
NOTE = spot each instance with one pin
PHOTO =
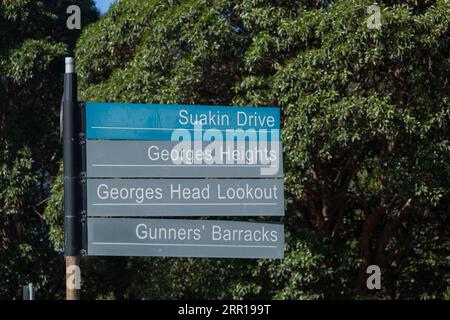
(72, 170)
(125, 121)
(160, 159)
(180, 161)
(185, 197)
(128, 165)
(181, 238)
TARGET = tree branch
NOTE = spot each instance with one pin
(389, 230)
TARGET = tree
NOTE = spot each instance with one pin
(33, 42)
(365, 132)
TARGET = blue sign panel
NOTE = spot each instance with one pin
(123, 121)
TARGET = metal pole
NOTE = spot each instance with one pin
(29, 292)
(72, 170)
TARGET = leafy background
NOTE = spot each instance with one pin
(365, 117)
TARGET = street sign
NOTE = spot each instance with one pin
(185, 197)
(147, 161)
(184, 238)
(140, 159)
(125, 164)
(124, 121)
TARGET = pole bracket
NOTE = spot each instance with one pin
(83, 216)
(82, 138)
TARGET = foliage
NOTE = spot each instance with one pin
(366, 134)
(365, 130)
(33, 42)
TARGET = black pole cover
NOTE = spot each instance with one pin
(72, 167)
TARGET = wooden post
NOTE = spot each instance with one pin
(73, 278)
